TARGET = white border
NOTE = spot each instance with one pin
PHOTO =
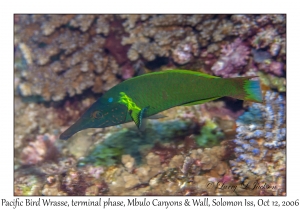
(153, 6)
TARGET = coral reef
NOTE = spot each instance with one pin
(278, 83)
(63, 63)
(176, 177)
(113, 146)
(104, 155)
(209, 135)
(33, 119)
(267, 40)
(74, 182)
(27, 185)
(68, 54)
(64, 56)
(232, 60)
(261, 140)
(39, 150)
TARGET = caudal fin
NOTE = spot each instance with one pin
(249, 89)
(253, 90)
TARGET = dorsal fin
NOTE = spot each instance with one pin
(156, 116)
(181, 71)
(196, 73)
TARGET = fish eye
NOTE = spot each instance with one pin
(96, 115)
(110, 100)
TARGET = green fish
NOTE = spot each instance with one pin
(144, 96)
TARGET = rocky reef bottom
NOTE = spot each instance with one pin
(198, 150)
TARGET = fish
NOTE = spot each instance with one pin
(147, 95)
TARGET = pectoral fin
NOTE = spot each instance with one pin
(137, 116)
(200, 101)
(156, 116)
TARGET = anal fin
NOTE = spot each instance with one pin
(156, 116)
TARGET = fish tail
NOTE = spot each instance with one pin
(250, 89)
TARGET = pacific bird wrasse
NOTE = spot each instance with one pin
(144, 96)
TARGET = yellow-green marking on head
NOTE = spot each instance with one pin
(135, 112)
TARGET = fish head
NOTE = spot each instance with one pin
(99, 115)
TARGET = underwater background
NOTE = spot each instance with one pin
(63, 63)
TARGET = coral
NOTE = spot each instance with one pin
(27, 185)
(103, 155)
(219, 110)
(209, 158)
(95, 171)
(64, 55)
(127, 71)
(53, 186)
(120, 181)
(50, 22)
(26, 53)
(152, 38)
(185, 51)
(206, 30)
(233, 57)
(260, 56)
(128, 162)
(79, 148)
(276, 68)
(92, 190)
(37, 151)
(113, 42)
(162, 36)
(83, 22)
(146, 50)
(223, 29)
(260, 140)
(76, 181)
(272, 67)
(180, 20)
(176, 177)
(276, 46)
(264, 37)
(248, 25)
(164, 152)
(58, 167)
(130, 180)
(102, 24)
(32, 119)
(273, 82)
(209, 135)
(266, 63)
